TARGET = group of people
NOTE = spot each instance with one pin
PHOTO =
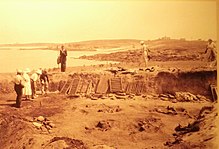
(25, 84)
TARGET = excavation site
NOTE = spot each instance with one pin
(171, 103)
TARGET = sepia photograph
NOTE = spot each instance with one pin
(110, 74)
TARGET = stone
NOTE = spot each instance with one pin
(38, 125)
(40, 118)
(52, 125)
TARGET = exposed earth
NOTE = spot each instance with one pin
(169, 104)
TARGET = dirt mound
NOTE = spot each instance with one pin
(6, 86)
(197, 134)
(104, 125)
(149, 124)
(65, 143)
(109, 109)
(15, 132)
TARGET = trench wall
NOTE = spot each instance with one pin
(162, 82)
(193, 82)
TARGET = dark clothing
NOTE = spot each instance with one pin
(63, 67)
(33, 88)
(44, 77)
(44, 80)
(18, 87)
(18, 90)
(63, 58)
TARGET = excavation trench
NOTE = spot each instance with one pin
(164, 82)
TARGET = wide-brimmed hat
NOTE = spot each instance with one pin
(19, 71)
(141, 42)
(27, 70)
(39, 72)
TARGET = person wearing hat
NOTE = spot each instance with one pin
(27, 86)
(63, 58)
(145, 51)
(18, 86)
(44, 80)
(34, 77)
(211, 52)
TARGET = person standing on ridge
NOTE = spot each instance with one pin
(211, 53)
(63, 58)
(145, 51)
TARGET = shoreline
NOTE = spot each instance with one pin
(182, 65)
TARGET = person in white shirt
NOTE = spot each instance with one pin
(211, 53)
(145, 51)
(34, 78)
(27, 85)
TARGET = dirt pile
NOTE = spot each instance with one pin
(15, 132)
(196, 131)
(64, 142)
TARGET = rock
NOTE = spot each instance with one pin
(29, 119)
(93, 98)
(163, 95)
(174, 101)
(171, 96)
(38, 125)
(102, 147)
(52, 125)
(144, 96)
(121, 94)
(40, 118)
(201, 98)
(103, 97)
(164, 98)
(120, 97)
(48, 127)
(112, 98)
(110, 95)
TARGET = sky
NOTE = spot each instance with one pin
(62, 21)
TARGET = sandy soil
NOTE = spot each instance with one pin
(173, 110)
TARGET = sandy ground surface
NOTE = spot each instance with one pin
(154, 119)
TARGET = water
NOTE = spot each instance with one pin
(12, 58)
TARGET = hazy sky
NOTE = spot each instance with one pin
(69, 21)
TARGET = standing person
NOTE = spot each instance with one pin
(18, 86)
(211, 53)
(145, 51)
(63, 58)
(44, 80)
(27, 84)
(34, 77)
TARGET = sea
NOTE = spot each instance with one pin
(13, 58)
